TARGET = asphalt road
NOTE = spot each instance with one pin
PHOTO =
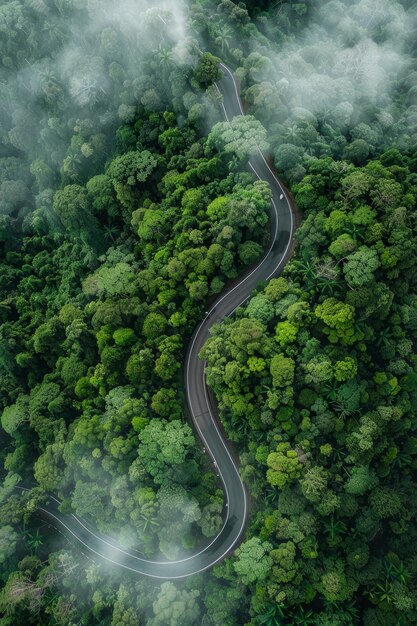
(203, 415)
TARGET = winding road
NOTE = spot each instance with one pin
(203, 414)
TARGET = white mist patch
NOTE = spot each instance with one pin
(73, 76)
(86, 78)
(136, 17)
(348, 51)
(129, 28)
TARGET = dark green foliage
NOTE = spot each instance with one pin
(120, 219)
(207, 70)
(319, 396)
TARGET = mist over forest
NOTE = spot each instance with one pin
(351, 68)
(126, 206)
(70, 74)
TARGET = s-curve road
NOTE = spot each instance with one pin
(203, 414)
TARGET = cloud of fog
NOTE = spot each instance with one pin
(69, 78)
(349, 55)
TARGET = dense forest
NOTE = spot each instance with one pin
(126, 206)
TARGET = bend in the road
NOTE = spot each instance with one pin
(203, 414)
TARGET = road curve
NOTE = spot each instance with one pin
(203, 414)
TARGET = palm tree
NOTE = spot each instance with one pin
(164, 56)
(72, 164)
(258, 435)
(334, 528)
(356, 230)
(307, 270)
(148, 518)
(271, 495)
(382, 594)
(239, 424)
(403, 459)
(303, 617)
(224, 35)
(397, 572)
(342, 409)
(329, 286)
(351, 609)
(34, 541)
(291, 135)
(194, 26)
(384, 337)
(339, 453)
(325, 116)
(330, 390)
(111, 232)
(272, 615)
(340, 607)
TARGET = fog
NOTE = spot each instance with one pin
(77, 61)
(347, 65)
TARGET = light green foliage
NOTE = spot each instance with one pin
(385, 502)
(102, 196)
(88, 500)
(163, 445)
(174, 607)
(276, 288)
(253, 561)
(46, 470)
(15, 415)
(314, 483)
(285, 566)
(285, 333)
(131, 168)
(360, 266)
(218, 208)
(260, 308)
(339, 320)
(154, 325)
(282, 370)
(211, 519)
(177, 512)
(247, 335)
(243, 136)
(71, 205)
(128, 171)
(299, 314)
(176, 504)
(152, 221)
(124, 613)
(345, 369)
(360, 481)
(112, 281)
(337, 221)
(249, 252)
(284, 466)
(319, 369)
(342, 246)
(256, 364)
(124, 337)
(333, 583)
